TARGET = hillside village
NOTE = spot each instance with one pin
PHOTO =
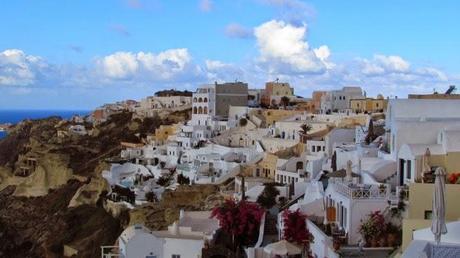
(359, 172)
(229, 171)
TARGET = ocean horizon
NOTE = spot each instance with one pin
(16, 116)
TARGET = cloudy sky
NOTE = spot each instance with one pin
(80, 54)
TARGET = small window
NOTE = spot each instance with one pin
(428, 214)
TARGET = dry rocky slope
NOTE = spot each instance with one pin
(60, 207)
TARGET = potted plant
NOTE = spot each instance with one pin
(392, 236)
(382, 188)
(336, 243)
(372, 228)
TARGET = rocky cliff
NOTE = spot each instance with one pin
(51, 190)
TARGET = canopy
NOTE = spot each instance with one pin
(282, 247)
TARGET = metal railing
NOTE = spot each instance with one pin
(107, 251)
(363, 192)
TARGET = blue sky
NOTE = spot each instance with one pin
(81, 54)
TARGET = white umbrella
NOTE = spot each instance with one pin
(282, 247)
(438, 226)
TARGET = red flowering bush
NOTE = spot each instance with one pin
(454, 178)
(374, 226)
(295, 228)
(239, 219)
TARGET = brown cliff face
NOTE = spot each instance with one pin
(44, 226)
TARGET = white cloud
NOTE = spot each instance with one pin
(235, 30)
(167, 65)
(283, 49)
(382, 64)
(19, 69)
(119, 65)
(289, 59)
(433, 73)
(206, 5)
(323, 53)
(220, 71)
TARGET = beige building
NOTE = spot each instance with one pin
(267, 166)
(274, 91)
(163, 132)
(420, 208)
(369, 105)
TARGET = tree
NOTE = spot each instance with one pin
(241, 220)
(183, 180)
(151, 197)
(303, 133)
(163, 180)
(267, 198)
(370, 137)
(284, 101)
(243, 122)
(334, 162)
(295, 229)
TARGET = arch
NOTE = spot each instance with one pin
(194, 110)
(205, 99)
(200, 110)
(205, 110)
(200, 100)
(194, 99)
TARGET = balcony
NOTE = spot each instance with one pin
(357, 192)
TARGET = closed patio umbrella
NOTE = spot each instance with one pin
(438, 226)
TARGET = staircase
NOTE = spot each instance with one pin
(291, 202)
(270, 229)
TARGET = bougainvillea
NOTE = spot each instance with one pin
(453, 178)
(295, 228)
(239, 219)
(374, 226)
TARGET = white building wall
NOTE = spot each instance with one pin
(321, 246)
(141, 245)
(186, 248)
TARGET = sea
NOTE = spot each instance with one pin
(15, 116)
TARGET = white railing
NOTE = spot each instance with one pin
(363, 192)
(106, 251)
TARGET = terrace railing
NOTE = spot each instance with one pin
(354, 191)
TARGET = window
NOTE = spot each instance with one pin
(175, 256)
(428, 214)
